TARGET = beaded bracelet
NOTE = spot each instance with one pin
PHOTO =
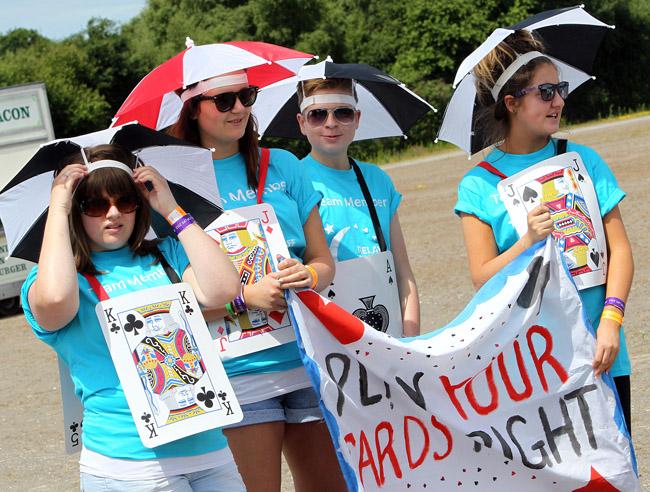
(181, 224)
(314, 275)
(612, 315)
(616, 302)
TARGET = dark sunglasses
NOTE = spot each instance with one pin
(547, 91)
(318, 116)
(98, 207)
(225, 101)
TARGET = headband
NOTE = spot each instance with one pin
(219, 81)
(507, 74)
(93, 166)
(328, 98)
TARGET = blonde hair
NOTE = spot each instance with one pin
(492, 123)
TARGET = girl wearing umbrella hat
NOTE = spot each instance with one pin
(281, 412)
(96, 224)
(523, 98)
(328, 118)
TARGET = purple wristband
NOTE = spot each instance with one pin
(616, 302)
(182, 223)
(239, 304)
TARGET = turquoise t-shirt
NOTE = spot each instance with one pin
(478, 196)
(293, 199)
(108, 426)
(343, 209)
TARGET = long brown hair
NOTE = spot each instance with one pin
(187, 128)
(492, 116)
(111, 182)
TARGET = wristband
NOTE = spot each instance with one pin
(230, 310)
(181, 224)
(616, 302)
(175, 215)
(314, 275)
(239, 305)
(612, 315)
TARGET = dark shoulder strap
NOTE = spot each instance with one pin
(371, 205)
(561, 146)
(491, 169)
(169, 271)
(263, 170)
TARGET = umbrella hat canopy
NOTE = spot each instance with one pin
(25, 200)
(388, 108)
(154, 102)
(571, 37)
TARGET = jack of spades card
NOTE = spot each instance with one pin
(563, 184)
(171, 373)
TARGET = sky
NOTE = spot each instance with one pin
(57, 19)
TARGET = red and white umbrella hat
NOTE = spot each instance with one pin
(155, 103)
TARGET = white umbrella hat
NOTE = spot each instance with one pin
(571, 38)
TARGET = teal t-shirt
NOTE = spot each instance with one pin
(108, 426)
(343, 209)
(478, 196)
(293, 199)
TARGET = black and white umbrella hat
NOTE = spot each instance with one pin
(571, 38)
(24, 202)
(388, 108)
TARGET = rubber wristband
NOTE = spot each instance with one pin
(616, 302)
(175, 215)
(611, 315)
(314, 275)
(230, 310)
(181, 224)
(239, 305)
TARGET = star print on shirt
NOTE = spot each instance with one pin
(329, 229)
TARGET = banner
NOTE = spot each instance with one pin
(502, 398)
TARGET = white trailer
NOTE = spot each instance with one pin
(25, 123)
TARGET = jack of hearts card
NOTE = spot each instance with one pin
(168, 366)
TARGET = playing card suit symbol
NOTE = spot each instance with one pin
(115, 328)
(581, 177)
(390, 280)
(206, 397)
(74, 427)
(331, 294)
(594, 257)
(515, 202)
(146, 417)
(375, 316)
(222, 395)
(188, 309)
(133, 324)
(529, 194)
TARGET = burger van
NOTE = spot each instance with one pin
(25, 124)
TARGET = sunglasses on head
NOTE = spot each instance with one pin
(98, 207)
(318, 116)
(225, 101)
(547, 91)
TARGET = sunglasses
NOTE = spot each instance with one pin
(318, 117)
(98, 207)
(225, 101)
(547, 91)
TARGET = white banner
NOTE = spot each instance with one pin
(502, 398)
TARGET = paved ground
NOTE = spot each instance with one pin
(31, 448)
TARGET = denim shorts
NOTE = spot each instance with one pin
(224, 478)
(297, 407)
